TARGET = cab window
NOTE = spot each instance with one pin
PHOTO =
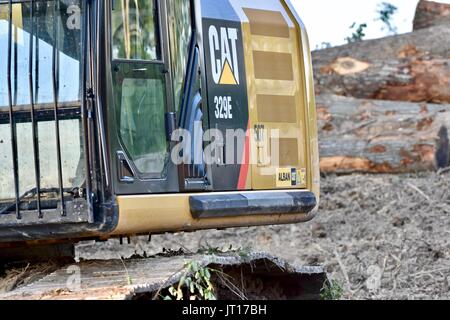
(135, 30)
(180, 33)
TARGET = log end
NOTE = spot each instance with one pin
(345, 66)
(431, 13)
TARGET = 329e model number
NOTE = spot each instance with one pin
(223, 107)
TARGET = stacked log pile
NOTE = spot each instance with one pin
(384, 105)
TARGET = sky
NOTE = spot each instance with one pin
(330, 20)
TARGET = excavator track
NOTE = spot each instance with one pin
(235, 276)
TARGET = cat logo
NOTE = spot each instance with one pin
(224, 60)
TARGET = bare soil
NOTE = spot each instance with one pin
(379, 236)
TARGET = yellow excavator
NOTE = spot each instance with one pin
(121, 118)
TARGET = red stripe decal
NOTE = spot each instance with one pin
(245, 162)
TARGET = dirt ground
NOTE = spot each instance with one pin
(380, 237)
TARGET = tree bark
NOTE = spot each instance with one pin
(412, 67)
(374, 136)
(430, 13)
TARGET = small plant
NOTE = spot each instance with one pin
(358, 33)
(129, 280)
(332, 291)
(195, 284)
(209, 250)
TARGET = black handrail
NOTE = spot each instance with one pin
(84, 108)
(36, 67)
(55, 81)
(11, 114)
(34, 124)
(35, 112)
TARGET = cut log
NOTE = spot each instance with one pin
(375, 136)
(412, 67)
(430, 13)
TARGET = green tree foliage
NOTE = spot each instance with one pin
(357, 32)
(386, 11)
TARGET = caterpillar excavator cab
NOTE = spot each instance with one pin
(132, 117)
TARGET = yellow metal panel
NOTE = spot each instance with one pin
(274, 68)
(157, 214)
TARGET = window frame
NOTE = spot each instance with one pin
(164, 63)
(144, 176)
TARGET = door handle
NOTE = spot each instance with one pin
(171, 124)
(126, 174)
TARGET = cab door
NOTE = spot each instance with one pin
(143, 106)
